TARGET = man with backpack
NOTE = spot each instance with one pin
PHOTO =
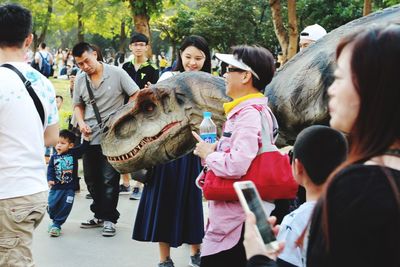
(44, 60)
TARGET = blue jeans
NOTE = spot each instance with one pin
(60, 205)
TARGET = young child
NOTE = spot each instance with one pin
(62, 179)
(318, 150)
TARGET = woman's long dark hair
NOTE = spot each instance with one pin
(201, 44)
(374, 65)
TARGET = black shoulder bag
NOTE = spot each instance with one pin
(28, 86)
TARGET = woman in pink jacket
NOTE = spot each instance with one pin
(249, 70)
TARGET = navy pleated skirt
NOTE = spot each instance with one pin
(170, 209)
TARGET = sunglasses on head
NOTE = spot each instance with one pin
(233, 69)
(290, 154)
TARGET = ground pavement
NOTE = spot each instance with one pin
(78, 247)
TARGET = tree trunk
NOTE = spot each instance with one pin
(293, 33)
(279, 28)
(39, 39)
(42, 35)
(367, 7)
(141, 22)
(81, 35)
(257, 30)
(122, 38)
(173, 56)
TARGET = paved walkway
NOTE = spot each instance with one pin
(78, 247)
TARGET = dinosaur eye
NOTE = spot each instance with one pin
(180, 98)
(148, 107)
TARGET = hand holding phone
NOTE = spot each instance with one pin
(251, 202)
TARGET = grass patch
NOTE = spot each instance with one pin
(62, 89)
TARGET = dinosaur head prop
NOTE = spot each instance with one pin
(156, 127)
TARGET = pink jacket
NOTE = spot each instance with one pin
(235, 150)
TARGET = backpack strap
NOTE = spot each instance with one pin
(28, 86)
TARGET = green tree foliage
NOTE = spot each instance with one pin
(334, 12)
(225, 23)
(176, 27)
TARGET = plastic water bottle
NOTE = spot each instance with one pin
(208, 130)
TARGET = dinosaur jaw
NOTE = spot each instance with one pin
(143, 144)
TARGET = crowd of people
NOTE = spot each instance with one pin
(350, 171)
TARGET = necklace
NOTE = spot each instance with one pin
(393, 152)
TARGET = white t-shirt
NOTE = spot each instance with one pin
(292, 227)
(45, 54)
(167, 74)
(22, 165)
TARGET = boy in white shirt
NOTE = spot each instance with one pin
(318, 150)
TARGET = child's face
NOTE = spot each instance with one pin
(63, 145)
(138, 48)
(59, 102)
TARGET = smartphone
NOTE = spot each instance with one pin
(251, 202)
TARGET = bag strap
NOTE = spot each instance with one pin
(28, 86)
(269, 130)
(93, 101)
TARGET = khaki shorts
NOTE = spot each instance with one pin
(19, 216)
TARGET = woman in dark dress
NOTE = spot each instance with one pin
(356, 222)
(170, 210)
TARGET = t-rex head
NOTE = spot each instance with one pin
(156, 127)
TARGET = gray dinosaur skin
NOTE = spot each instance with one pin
(297, 95)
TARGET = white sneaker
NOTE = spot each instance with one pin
(108, 229)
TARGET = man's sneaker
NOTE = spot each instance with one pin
(108, 229)
(124, 189)
(55, 231)
(167, 263)
(93, 223)
(136, 194)
(195, 260)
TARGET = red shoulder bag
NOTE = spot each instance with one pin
(270, 170)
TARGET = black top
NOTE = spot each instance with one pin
(147, 72)
(364, 221)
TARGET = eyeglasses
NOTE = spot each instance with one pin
(232, 69)
(290, 154)
(139, 44)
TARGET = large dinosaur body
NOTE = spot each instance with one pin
(156, 127)
(298, 92)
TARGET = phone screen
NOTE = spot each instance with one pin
(255, 206)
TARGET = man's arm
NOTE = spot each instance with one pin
(133, 97)
(79, 110)
(128, 85)
(51, 135)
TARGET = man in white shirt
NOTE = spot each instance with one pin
(23, 185)
(41, 56)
